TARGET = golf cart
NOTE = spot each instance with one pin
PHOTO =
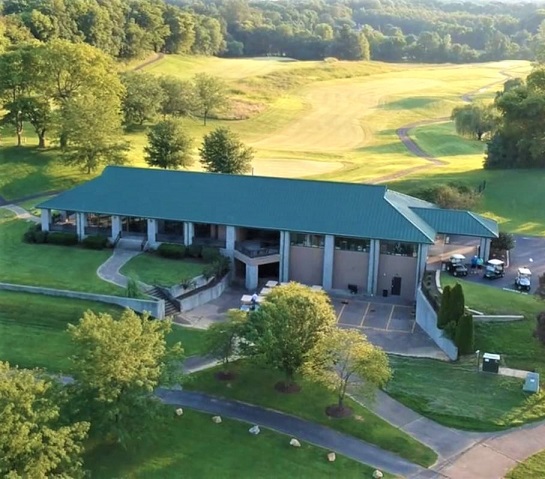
(494, 269)
(522, 281)
(456, 266)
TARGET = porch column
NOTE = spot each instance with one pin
(484, 248)
(81, 222)
(230, 238)
(46, 219)
(189, 232)
(152, 232)
(251, 277)
(372, 276)
(284, 256)
(421, 264)
(329, 252)
(116, 226)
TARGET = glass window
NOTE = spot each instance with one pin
(352, 244)
(308, 240)
(398, 248)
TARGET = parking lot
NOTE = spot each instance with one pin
(390, 326)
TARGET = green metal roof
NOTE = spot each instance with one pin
(322, 207)
(458, 222)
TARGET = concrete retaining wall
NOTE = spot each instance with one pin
(179, 290)
(203, 297)
(426, 318)
(155, 307)
(489, 318)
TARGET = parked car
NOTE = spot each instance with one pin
(494, 269)
(523, 279)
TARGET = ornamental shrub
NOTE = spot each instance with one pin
(61, 238)
(465, 335)
(172, 251)
(95, 242)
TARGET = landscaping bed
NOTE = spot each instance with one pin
(254, 384)
(531, 468)
(33, 330)
(192, 446)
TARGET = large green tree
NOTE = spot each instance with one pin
(117, 366)
(169, 146)
(34, 441)
(474, 120)
(286, 329)
(223, 152)
(178, 97)
(143, 97)
(210, 94)
(344, 357)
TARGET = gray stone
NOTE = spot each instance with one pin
(331, 457)
(254, 430)
(216, 419)
(294, 442)
(179, 412)
(377, 474)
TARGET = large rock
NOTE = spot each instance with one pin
(377, 474)
(254, 430)
(294, 442)
(331, 457)
(216, 419)
(179, 411)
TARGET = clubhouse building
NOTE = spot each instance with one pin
(365, 239)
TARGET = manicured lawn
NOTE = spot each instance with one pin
(456, 395)
(153, 269)
(33, 329)
(64, 267)
(532, 468)
(193, 447)
(513, 340)
(256, 385)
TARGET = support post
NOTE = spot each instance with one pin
(152, 232)
(45, 219)
(116, 226)
(484, 248)
(189, 232)
(329, 253)
(421, 265)
(81, 222)
(284, 256)
(372, 277)
(252, 275)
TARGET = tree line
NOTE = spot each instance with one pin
(421, 31)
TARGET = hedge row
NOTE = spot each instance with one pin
(35, 235)
(178, 251)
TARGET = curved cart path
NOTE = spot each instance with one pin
(403, 135)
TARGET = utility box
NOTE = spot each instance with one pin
(491, 363)
(531, 384)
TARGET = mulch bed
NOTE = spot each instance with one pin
(335, 411)
(225, 375)
(287, 388)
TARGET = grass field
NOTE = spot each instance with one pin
(193, 447)
(33, 330)
(153, 269)
(256, 385)
(531, 468)
(45, 265)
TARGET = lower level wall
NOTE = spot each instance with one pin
(154, 307)
(203, 297)
(426, 318)
(404, 267)
(350, 267)
(306, 265)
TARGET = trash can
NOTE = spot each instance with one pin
(385, 293)
(531, 384)
(491, 363)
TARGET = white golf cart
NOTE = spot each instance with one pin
(494, 269)
(456, 266)
(522, 281)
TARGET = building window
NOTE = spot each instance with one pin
(308, 240)
(352, 244)
(398, 249)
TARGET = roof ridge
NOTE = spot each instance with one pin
(409, 219)
(478, 217)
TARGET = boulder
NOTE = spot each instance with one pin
(254, 430)
(331, 457)
(377, 474)
(294, 442)
(216, 419)
(179, 411)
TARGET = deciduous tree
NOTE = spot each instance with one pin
(117, 365)
(474, 120)
(344, 357)
(34, 441)
(223, 152)
(143, 97)
(178, 97)
(169, 146)
(210, 94)
(287, 327)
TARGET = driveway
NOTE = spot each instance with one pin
(390, 326)
(526, 248)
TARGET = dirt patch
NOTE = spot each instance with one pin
(287, 388)
(338, 412)
(225, 375)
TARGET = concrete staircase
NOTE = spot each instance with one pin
(132, 244)
(171, 308)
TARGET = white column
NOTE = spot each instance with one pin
(81, 221)
(284, 256)
(329, 252)
(421, 264)
(230, 238)
(189, 232)
(372, 276)
(152, 232)
(46, 219)
(251, 277)
(484, 248)
(116, 226)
